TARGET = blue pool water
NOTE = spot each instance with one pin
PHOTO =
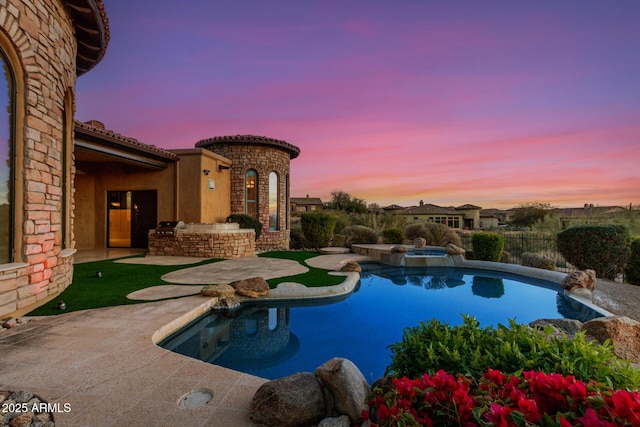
(278, 340)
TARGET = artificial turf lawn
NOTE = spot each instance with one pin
(119, 280)
(313, 278)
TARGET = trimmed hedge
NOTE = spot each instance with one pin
(317, 228)
(355, 234)
(487, 246)
(603, 248)
(392, 235)
(246, 221)
(632, 270)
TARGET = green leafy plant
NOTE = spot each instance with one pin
(339, 240)
(317, 228)
(296, 239)
(246, 221)
(632, 270)
(392, 235)
(487, 246)
(470, 350)
(603, 248)
(359, 234)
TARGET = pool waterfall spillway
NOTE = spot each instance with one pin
(220, 240)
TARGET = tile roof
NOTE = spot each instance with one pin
(250, 139)
(92, 32)
(429, 209)
(95, 131)
(306, 200)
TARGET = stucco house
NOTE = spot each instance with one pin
(306, 204)
(466, 216)
(65, 184)
(44, 46)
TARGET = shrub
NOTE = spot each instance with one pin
(246, 221)
(317, 228)
(470, 350)
(632, 270)
(530, 259)
(506, 257)
(339, 240)
(392, 235)
(434, 234)
(496, 399)
(359, 234)
(603, 248)
(487, 246)
(296, 239)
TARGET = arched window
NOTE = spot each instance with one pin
(274, 218)
(251, 193)
(7, 94)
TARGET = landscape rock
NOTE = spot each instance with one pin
(453, 249)
(580, 280)
(347, 385)
(220, 291)
(228, 303)
(570, 327)
(291, 401)
(623, 333)
(398, 249)
(351, 266)
(419, 242)
(253, 287)
(341, 421)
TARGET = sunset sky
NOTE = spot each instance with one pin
(491, 103)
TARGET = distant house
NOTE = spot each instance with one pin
(586, 214)
(305, 204)
(465, 216)
(393, 209)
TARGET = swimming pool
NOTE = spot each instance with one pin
(273, 341)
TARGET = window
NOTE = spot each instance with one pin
(273, 202)
(251, 194)
(6, 160)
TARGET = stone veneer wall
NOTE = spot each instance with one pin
(43, 39)
(204, 244)
(264, 160)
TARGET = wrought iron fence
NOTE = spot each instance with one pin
(518, 243)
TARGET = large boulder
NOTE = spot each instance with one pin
(419, 242)
(220, 291)
(568, 327)
(291, 401)
(453, 249)
(399, 249)
(341, 421)
(253, 288)
(347, 385)
(580, 280)
(350, 267)
(623, 333)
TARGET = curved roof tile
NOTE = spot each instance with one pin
(92, 32)
(250, 139)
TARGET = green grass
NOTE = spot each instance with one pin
(119, 280)
(313, 278)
